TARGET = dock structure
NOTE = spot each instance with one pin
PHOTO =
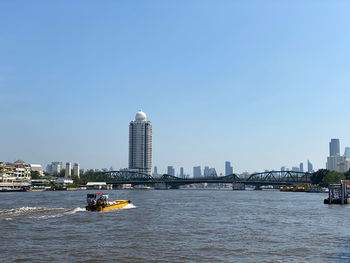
(99, 186)
(238, 186)
(337, 194)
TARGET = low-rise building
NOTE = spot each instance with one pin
(64, 181)
(37, 168)
(17, 171)
(14, 175)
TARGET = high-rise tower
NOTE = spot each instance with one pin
(334, 147)
(140, 144)
(228, 168)
(347, 152)
(68, 171)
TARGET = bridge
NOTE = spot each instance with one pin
(256, 179)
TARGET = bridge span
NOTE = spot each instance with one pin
(257, 179)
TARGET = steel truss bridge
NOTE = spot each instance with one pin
(256, 179)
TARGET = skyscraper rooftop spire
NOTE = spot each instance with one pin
(140, 116)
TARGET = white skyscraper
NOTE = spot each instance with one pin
(68, 172)
(76, 170)
(140, 144)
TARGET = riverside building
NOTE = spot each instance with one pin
(14, 176)
(140, 144)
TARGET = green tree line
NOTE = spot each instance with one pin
(325, 177)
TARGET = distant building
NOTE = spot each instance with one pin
(140, 143)
(54, 168)
(244, 175)
(295, 169)
(228, 168)
(155, 171)
(182, 175)
(37, 168)
(171, 170)
(68, 171)
(301, 167)
(76, 170)
(310, 168)
(347, 152)
(206, 171)
(212, 172)
(338, 163)
(64, 181)
(197, 171)
(283, 169)
(334, 147)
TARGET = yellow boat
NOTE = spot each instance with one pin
(99, 202)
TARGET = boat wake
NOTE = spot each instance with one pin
(40, 213)
(37, 212)
(129, 206)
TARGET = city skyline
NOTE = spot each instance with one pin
(260, 84)
(140, 118)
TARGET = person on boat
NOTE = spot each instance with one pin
(100, 201)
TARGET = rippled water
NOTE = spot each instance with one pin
(174, 226)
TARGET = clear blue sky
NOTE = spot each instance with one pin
(260, 83)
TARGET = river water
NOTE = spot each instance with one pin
(174, 226)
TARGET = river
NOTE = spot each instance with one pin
(174, 226)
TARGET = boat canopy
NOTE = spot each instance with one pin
(94, 196)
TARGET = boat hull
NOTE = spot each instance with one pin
(116, 204)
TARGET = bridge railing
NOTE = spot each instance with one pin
(270, 176)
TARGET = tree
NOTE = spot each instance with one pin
(332, 177)
(317, 177)
(77, 180)
(35, 175)
(62, 173)
(347, 175)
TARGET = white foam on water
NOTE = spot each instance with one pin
(28, 210)
(38, 212)
(129, 206)
(42, 213)
(75, 210)
(67, 212)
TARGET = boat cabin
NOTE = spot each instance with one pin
(99, 199)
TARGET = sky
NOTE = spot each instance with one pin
(262, 84)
